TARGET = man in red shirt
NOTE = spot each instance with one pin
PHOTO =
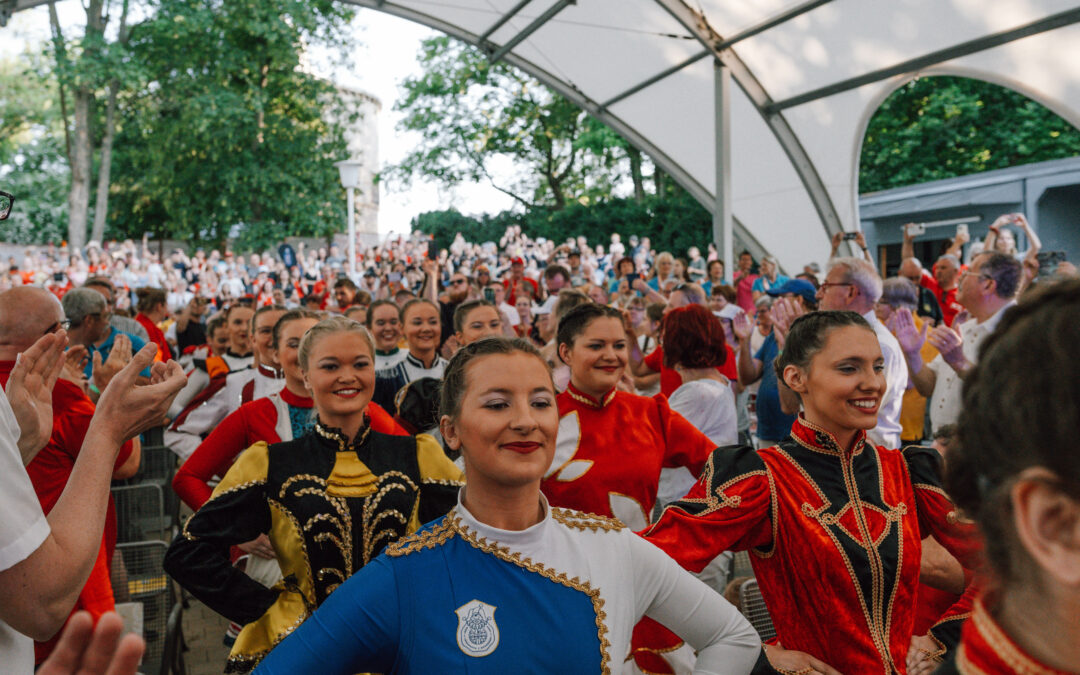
(27, 313)
(517, 280)
(943, 282)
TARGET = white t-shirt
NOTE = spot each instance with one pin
(710, 406)
(23, 528)
(887, 431)
(947, 399)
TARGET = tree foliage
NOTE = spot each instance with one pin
(674, 223)
(33, 161)
(941, 127)
(475, 118)
(226, 136)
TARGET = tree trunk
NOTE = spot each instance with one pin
(79, 195)
(101, 202)
(61, 60)
(635, 174)
(658, 179)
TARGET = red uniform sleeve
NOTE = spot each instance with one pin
(938, 517)
(382, 422)
(727, 510)
(686, 445)
(730, 369)
(655, 359)
(212, 458)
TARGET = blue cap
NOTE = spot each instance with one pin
(798, 287)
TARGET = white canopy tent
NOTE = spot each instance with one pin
(759, 107)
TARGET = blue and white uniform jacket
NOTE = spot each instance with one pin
(562, 596)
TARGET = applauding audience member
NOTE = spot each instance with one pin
(986, 290)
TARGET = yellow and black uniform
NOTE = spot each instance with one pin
(329, 508)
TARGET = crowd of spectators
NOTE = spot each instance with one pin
(703, 338)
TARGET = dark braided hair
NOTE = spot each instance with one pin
(807, 335)
(1021, 409)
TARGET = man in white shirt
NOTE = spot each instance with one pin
(853, 284)
(986, 290)
(45, 561)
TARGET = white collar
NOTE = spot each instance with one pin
(506, 537)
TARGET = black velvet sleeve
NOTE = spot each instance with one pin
(199, 556)
(436, 500)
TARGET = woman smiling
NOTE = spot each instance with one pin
(506, 583)
(423, 331)
(329, 501)
(834, 524)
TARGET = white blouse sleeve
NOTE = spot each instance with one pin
(725, 641)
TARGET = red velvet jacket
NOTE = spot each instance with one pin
(835, 538)
(986, 649)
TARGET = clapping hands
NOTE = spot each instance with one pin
(29, 391)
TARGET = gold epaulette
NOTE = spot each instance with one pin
(418, 541)
(579, 520)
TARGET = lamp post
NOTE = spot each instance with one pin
(349, 171)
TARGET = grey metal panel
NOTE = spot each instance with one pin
(1003, 193)
(698, 25)
(662, 160)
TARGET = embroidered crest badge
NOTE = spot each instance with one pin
(477, 632)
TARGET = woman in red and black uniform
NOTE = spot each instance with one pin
(834, 524)
(1017, 472)
(612, 444)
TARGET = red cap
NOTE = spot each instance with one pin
(517, 261)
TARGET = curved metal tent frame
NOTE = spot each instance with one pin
(775, 157)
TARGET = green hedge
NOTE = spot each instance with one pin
(673, 224)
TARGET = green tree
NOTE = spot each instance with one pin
(228, 135)
(33, 160)
(673, 222)
(940, 127)
(473, 115)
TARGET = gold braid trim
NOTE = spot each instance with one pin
(608, 398)
(245, 663)
(418, 541)
(504, 553)
(579, 520)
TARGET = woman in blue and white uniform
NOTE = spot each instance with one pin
(505, 583)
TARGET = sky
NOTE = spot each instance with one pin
(386, 55)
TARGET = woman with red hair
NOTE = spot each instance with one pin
(695, 347)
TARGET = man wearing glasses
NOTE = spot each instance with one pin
(985, 290)
(90, 327)
(457, 292)
(45, 561)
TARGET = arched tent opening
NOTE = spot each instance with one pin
(958, 149)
